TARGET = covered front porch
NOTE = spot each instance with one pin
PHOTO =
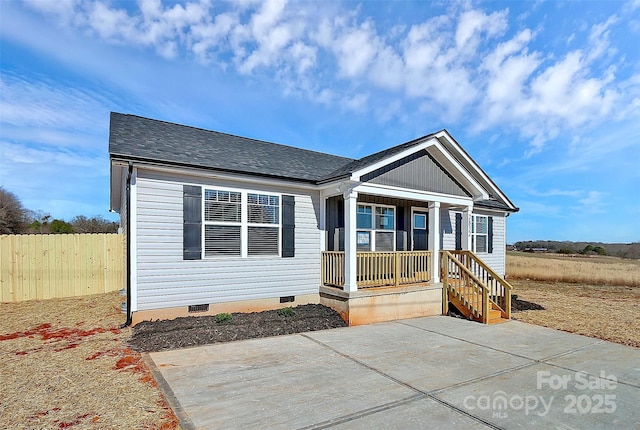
(388, 220)
(399, 285)
(381, 259)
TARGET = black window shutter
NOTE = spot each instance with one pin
(192, 228)
(458, 231)
(288, 226)
(490, 234)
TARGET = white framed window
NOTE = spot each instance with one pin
(222, 223)
(263, 224)
(376, 228)
(480, 233)
(239, 223)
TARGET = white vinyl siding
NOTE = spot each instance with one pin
(447, 229)
(166, 280)
(496, 259)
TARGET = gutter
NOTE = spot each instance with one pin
(128, 191)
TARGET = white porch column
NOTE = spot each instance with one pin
(466, 229)
(350, 245)
(434, 239)
(322, 222)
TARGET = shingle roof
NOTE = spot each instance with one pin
(493, 204)
(138, 138)
(133, 137)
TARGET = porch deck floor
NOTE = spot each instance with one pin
(435, 372)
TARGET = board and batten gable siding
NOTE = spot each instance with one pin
(165, 279)
(496, 259)
(418, 171)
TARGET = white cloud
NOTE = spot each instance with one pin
(43, 105)
(463, 65)
(65, 10)
(599, 39)
(356, 103)
(593, 202)
(355, 49)
(472, 23)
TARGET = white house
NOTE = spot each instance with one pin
(221, 223)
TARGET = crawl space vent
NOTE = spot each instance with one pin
(198, 308)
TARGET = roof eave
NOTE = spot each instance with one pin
(164, 163)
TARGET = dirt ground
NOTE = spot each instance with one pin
(606, 312)
(191, 331)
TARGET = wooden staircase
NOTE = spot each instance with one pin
(474, 289)
(462, 299)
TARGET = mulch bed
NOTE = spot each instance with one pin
(519, 305)
(150, 336)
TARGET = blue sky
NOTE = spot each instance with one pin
(544, 95)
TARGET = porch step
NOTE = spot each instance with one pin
(464, 296)
(495, 316)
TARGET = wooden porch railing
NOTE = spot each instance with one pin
(333, 268)
(378, 269)
(477, 286)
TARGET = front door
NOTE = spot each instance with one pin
(420, 230)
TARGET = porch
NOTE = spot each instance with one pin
(397, 285)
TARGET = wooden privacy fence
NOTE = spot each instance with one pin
(45, 266)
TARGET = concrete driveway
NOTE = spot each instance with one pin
(436, 372)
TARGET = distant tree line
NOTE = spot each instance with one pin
(16, 219)
(622, 250)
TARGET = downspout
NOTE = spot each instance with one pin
(128, 202)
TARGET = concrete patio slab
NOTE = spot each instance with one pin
(434, 372)
(612, 360)
(422, 413)
(258, 384)
(514, 337)
(425, 360)
(544, 396)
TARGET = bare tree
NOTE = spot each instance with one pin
(96, 224)
(39, 221)
(13, 216)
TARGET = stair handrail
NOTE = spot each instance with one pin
(474, 278)
(507, 286)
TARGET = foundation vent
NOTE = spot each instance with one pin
(287, 299)
(198, 308)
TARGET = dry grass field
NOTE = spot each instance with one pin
(573, 269)
(596, 297)
(65, 364)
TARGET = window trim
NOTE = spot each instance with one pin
(244, 223)
(373, 230)
(474, 234)
(206, 223)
